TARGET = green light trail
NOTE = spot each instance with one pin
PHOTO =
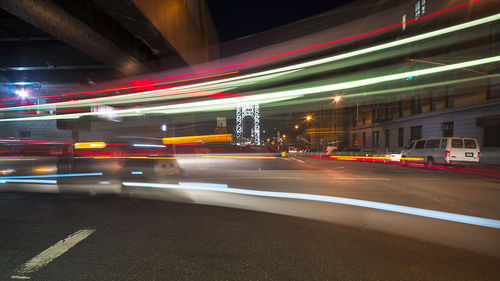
(229, 103)
(230, 83)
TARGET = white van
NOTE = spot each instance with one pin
(447, 150)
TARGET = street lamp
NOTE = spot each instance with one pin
(296, 126)
(309, 118)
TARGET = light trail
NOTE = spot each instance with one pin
(229, 103)
(123, 157)
(240, 157)
(331, 42)
(123, 88)
(350, 96)
(17, 159)
(52, 176)
(446, 216)
(28, 181)
(347, 55)
(141, 96)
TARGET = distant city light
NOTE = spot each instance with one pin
(309, 118)
(296, 126)
(22, 93)
(164, 127)
(337, 99)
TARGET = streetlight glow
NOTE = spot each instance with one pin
(22, 93)
(308, 118)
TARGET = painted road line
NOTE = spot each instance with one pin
(51, 253)
(446, 216)
(301, 161)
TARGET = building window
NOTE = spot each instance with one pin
(433, 101)
(354, 139)
(416, 105)
(448, 129)
(363, 116)
(400, 108)
(388, 111)
(416, 133)
(401, 137)
(450, 96)
(494, 91)
(375, 136)
(387, 137)
(364, 138)
(419, 8)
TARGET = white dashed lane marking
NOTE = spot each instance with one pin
(51, 253)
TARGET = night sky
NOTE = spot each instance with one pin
(239, 18)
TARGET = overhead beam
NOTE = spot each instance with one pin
(52, 19)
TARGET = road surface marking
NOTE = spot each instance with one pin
(446, 216)
(301, 161)
(51, 253)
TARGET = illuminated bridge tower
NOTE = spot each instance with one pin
(248, 110)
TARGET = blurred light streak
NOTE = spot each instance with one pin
(240, 157)
(37, 141)
(123, 157)
(327, 43)
(202, 184)
(141, 97)
(28, 181)
(228, 103)
(53, 176)
(359, 52)
(7, 171)
(388, 91)
(87, 145)
(134, 85)
(350, 54)
(417, 165)
(136, 172)
(348, 157)
(446, 216)
(147, 145)
(18, 159)
(438, 63)
(45, 169)
(198, 139)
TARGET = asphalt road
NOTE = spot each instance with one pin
(462, 193)
(153, 240)
(127, 237)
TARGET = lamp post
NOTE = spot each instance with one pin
(308, 119)
(336, 99)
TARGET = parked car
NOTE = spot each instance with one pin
(443, 150)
